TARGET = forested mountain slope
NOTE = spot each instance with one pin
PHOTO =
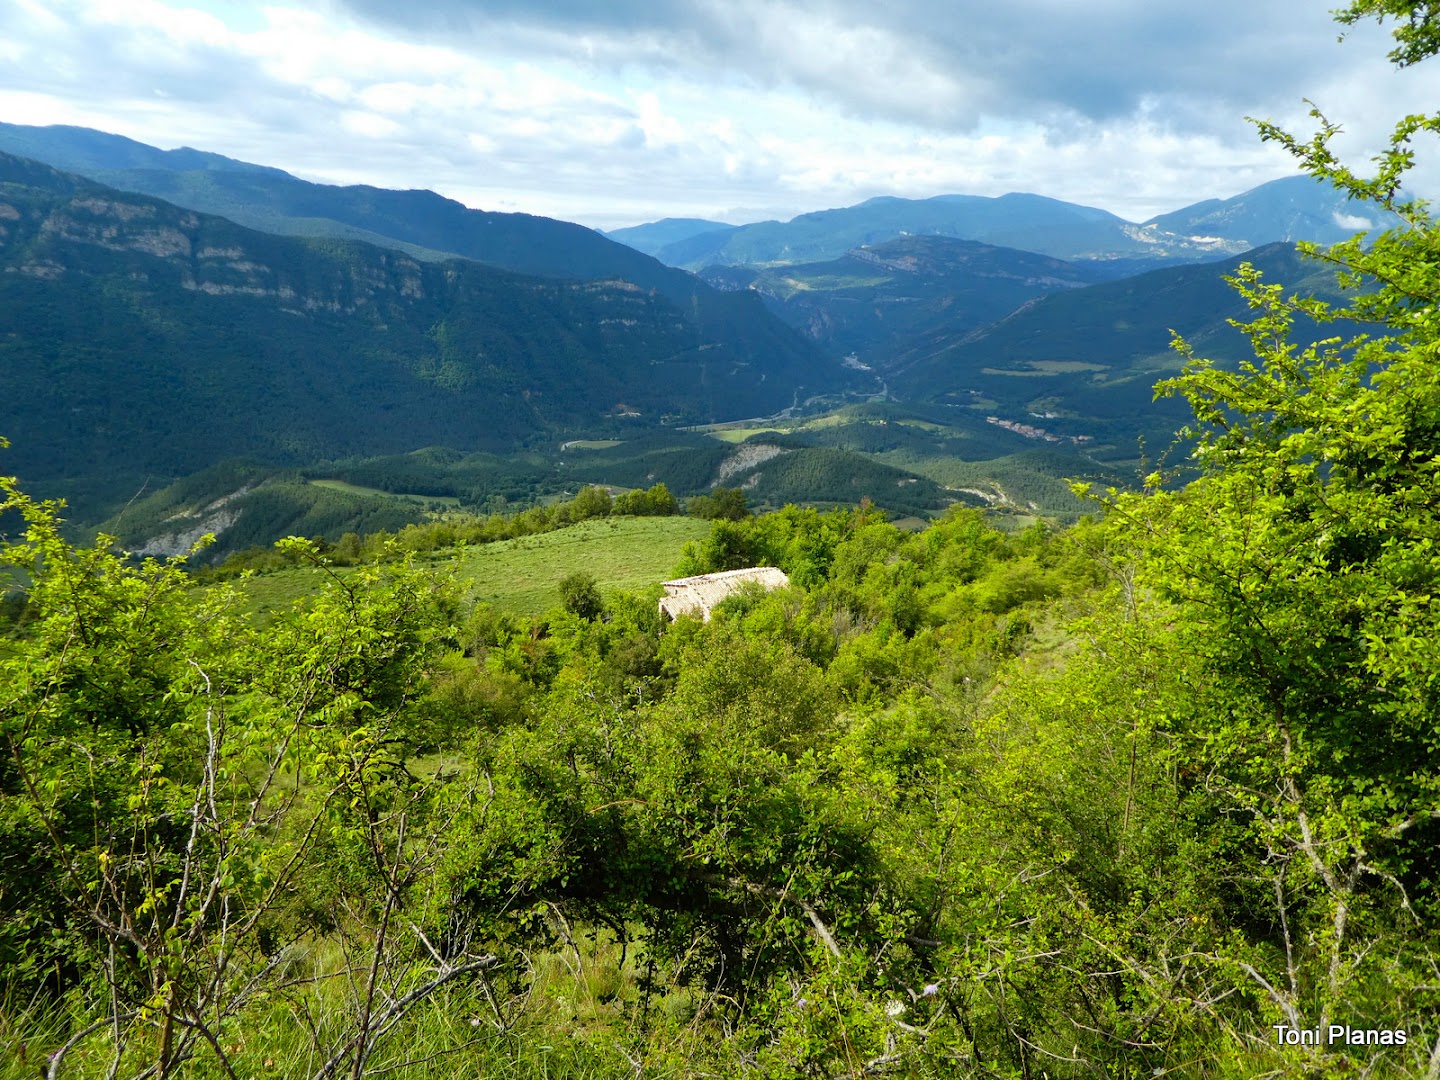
(1084, 362)
(422, 223)
(876, 301)
(139, 338)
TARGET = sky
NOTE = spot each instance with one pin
(615, 112)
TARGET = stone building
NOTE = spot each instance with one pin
(699, 595)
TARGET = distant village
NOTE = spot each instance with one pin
(1032, 432)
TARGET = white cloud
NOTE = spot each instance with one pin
(369, 124)
(1353, 222)
(627, 112)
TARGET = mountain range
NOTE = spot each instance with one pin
(1289, 209)
(423, 224)
(430, 226)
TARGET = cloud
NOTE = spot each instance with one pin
(941, 64)
(612, 114)
(1353, 222)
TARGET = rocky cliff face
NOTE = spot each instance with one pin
(195, 252)
(47, 235)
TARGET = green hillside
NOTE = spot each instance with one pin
(1082, 364)
(144, 341)
(996, 791)
(248, 504)
(956, 456)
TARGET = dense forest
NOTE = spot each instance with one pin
(1154, 795)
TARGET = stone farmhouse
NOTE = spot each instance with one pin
(699, 595)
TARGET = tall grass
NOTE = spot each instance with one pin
(579, 1011)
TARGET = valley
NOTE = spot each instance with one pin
(209, 350)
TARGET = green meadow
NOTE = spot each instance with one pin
(358, 489)
(522, 576)
(622, 554)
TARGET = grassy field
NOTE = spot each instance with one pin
(923, 425)
(910, 524)
(522, 576)
(356, 489)
(591, 444)
(742, 434)
(1047, 367)
(630, 554)
(738, 435)
(737, 431)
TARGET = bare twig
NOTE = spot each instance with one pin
(58, 1057)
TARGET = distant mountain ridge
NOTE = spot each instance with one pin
(1019, 220)
(656, 235)
(429, 226)
(1288, 209)
(421, 223)
(84, 150)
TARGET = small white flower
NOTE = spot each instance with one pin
(894, 1008)
(931, 989)
(475, 1022)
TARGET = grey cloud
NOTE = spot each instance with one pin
(1079, 77)
(953, 62)
(132, 66)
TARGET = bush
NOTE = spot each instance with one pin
(728, 504)
(580, 596)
